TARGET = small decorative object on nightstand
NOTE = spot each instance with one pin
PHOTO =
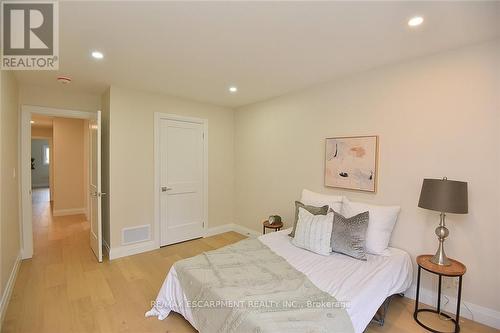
(276, 226)
(454, 269)
(274, 219)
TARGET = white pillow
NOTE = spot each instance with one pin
(380, 224)
(317, 199)
(314, 232)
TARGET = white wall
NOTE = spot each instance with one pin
(39, 175)
(436, 116)
(61, 97)
(9, 185)
(105, 107)
(131, 157)
(69, 166)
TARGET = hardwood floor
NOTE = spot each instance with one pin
(64, 289)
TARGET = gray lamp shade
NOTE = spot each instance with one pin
(442, 195)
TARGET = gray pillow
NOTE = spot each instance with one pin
(349, 235)
(311, 209)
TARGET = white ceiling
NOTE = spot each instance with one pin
(197, 49)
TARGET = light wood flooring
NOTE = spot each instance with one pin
(64, 289)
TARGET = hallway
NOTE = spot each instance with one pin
(40, 196)
(41, 300)
(48, 231)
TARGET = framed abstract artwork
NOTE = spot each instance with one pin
(351, 162)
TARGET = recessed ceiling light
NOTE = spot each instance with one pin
(97, 54)
(415, 21)
(32, 121)
(233, 89)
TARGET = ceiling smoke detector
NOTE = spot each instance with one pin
(63, 79)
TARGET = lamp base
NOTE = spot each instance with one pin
(440, 259)
(442, 232)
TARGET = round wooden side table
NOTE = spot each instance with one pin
(275, 226)
(456, 269)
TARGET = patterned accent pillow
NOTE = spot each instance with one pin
(314, 232)
(311, 209)
(349, 235)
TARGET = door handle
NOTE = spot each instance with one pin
(101, 194)
(165, 188)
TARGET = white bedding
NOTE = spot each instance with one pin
(363, 284)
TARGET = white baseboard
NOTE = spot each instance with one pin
(246, 231)
(219, 230)
(4, 302)
(71, 211)
(479, 313)
(131, 249)
(231, 227)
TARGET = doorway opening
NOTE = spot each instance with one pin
(60, 180)
(59, 173)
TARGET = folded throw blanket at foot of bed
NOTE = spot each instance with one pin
(246, 287)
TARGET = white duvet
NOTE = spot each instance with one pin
(364, 285)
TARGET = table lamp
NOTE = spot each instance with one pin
(444, 196)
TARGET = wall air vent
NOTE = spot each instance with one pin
(141, 233)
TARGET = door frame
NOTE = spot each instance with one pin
(166, 116)
(24, 167)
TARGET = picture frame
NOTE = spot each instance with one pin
(351, 162)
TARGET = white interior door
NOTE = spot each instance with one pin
(95, 186)
(181, 149)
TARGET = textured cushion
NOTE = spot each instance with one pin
(348, 235)
(314, 232)
(318, 199)
(380, 225)
(311, 209)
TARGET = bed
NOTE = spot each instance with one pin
(363, 285)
